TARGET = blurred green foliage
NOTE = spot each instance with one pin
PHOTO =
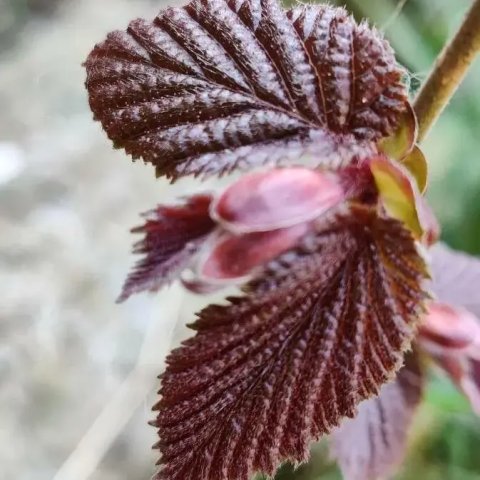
(445, 441)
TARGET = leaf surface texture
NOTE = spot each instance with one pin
(224, 84)
(322, 328)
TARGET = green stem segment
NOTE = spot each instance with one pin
(448, 71)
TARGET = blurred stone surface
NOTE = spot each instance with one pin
(67, 202)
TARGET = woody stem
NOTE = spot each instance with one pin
(449, 70)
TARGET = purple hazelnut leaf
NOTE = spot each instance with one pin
(321, 328)
(173, 234)
(220, 85)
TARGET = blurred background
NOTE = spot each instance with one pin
(77, 371)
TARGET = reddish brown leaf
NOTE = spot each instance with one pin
(321, 329)
(172, 235)
(225, 84)
(360, 84)
(370, 445)
(456, 278)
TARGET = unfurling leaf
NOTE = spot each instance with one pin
(402, 199)
(224, 84)
(276, 198)
(173, 234)
(456, 278)
(402, 141)
(451, 330)
(464, 371)
(451, 335)
(231, 257)
(416, 163)
(321, 329)
(369, 446)
(400, 146)
(447, 328)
